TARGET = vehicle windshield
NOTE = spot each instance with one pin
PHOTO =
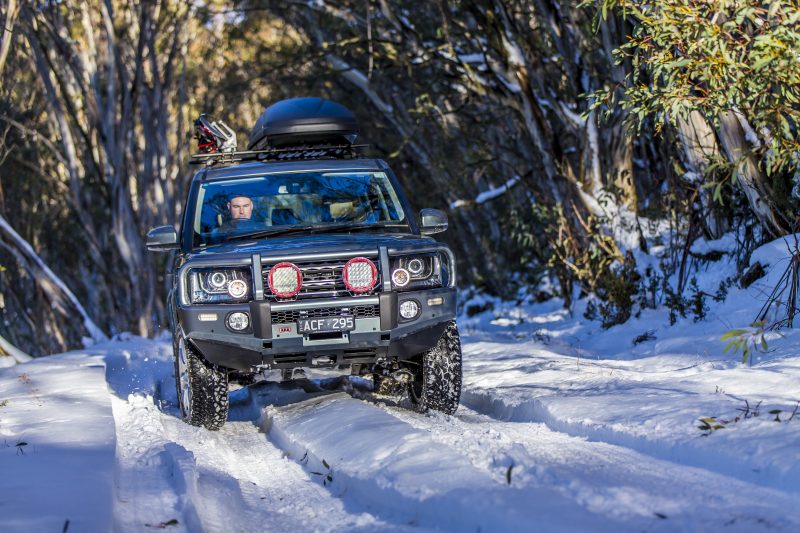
(281, 203)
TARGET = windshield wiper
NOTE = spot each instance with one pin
(310, 228)
(349, 226)
(271, 231)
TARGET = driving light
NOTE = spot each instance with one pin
(237, 288)
(360, 275)
(401, 277)
(238, 321)
(409, 309)
(285, 280)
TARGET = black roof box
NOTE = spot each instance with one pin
(303, 122)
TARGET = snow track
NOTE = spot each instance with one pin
(170, 474)
(333, 456)
(379, 461)
(640, 492)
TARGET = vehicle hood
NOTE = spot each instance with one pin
(323, 243)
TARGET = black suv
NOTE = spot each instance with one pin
(299, 254)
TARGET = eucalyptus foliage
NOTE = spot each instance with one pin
(717, 56)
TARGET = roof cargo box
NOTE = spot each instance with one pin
(303, 122)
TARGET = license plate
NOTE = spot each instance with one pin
(326, 325)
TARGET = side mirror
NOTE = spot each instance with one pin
(161, 239)
(432, 221)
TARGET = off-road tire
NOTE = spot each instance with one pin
(206, 403)
(437, 383)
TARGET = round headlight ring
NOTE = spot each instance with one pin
(401, 277)
(360, 275)
(237, 288)
(285, 280)
(218, 279)
(415, 266)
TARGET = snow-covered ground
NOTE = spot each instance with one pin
(563, 426)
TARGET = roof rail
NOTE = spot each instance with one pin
(294, 153)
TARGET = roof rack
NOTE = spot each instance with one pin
(294, 153)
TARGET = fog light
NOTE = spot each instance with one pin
(409, 309)
(238, 321)
(401, 277)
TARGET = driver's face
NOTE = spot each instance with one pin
(240, 207)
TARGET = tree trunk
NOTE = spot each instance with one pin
(748, 175)
(699, 144)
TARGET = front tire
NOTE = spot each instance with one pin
(202, 388)
(437, 383)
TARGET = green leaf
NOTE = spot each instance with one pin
(733, 333)
(773, 8)
(762, 62)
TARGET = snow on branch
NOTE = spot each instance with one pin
(94, 332)
(18, 355)
(485, 196)
(357, 78)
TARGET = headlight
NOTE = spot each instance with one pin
(220, 285)
(414, 272)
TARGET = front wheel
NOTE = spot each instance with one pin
(202, 388)
(437, 383)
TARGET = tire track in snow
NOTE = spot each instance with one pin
(226, 481)
(374, 460)
(154, 478)
(610, 480)
(536, 411)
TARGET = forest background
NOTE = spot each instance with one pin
(561, 138)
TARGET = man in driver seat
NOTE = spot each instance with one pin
(240, 207)
(240, 211)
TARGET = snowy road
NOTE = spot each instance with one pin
(337, 457)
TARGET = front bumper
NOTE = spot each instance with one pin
(380, 334)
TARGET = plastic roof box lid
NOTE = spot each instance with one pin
(303, 122)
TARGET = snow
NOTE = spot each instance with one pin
(562, 424)
(485, 196)
(725, 244)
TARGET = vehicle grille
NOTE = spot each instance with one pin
(358, 311)
(321, 279)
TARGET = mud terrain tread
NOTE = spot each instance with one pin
(440, 383)
(210, 388)
(209, 392)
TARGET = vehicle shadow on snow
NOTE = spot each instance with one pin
(131, 373)
(248, 402)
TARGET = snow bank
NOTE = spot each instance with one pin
(645, 384)
(57, 449)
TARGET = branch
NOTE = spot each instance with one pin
(95, 332)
